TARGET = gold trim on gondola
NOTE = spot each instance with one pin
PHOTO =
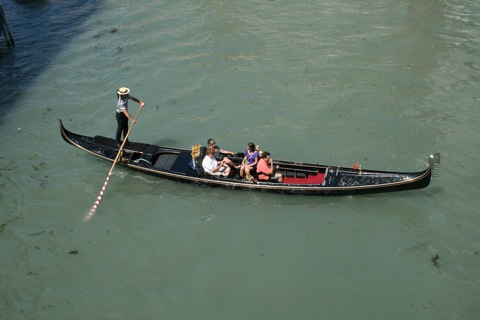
(196, 151)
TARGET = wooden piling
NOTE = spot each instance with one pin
(5, 29)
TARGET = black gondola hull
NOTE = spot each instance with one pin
(299, 177)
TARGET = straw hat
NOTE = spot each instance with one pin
(123, 90)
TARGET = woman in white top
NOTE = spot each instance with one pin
(122, 114)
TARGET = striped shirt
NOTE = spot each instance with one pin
(122, 104)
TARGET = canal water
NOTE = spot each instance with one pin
(385, 83)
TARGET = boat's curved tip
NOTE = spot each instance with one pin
(434, 163)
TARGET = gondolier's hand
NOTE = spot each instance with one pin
(142, 104)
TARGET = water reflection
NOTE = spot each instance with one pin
(40, 30)
(32, 3)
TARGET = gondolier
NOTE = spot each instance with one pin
(122, 114)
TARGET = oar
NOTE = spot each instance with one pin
(99, 198)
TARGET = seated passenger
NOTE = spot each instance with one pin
(250, 160)
(212, 166)
(220, 153)
(265, 169)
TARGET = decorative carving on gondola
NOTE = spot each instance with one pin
(434, 163)
(260, 152)
(196, 151)
(248, 175)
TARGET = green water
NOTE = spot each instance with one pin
(383, 83)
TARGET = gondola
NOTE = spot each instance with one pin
(299, 177)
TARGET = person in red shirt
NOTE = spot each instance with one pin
(265, 169)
